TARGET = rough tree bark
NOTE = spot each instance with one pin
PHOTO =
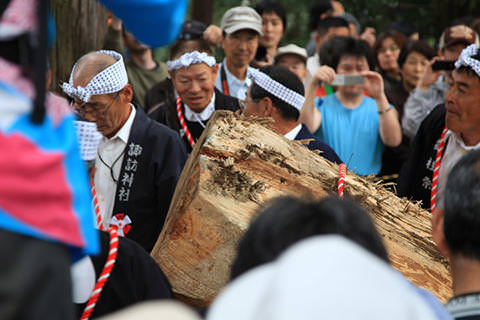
(81, 27)
(237, 165)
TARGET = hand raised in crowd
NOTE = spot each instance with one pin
(213, 35)
(324, 74)
(429, 76)
(368, 35)
(263, 63)
(373, 84)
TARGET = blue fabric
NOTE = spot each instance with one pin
(60, 139)
(352, 133)
(153, 22)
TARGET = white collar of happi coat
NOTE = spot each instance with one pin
(124, 131)
(456, 138)
(292, 134)
(231, 77)
(206, 113)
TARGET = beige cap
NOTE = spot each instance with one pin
(458, 34)
(239, 18)
(292, 49)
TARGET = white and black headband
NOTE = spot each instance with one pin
(112, 79)
(466, 59)
(274, 87)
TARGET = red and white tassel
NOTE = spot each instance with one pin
(341, 180)
(107, 269)
(183, 124)
(436, 171)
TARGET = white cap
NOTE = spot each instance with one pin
(239, 18)
(292, 49)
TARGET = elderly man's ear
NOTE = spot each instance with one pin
(126, 95)
(438, 234)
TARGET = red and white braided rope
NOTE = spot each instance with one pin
(98, 216)
(341, 179)
(436, 171)
(107, 269)
(183, 124)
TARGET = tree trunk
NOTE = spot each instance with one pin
(81, 27)
(237, 165)
(203, 11)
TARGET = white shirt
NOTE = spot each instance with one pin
(293, 133)
(455, 148)
(110, 150)
(206, 113)
(237, 88)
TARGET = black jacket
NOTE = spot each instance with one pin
(415, 180)
(153, 160)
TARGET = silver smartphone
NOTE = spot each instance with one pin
(347, 80)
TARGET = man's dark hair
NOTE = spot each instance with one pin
(461, 221)
(418, 46)
(331, 22)
(180, 47)
(288, 220)
(468, 70)
(269, 6)
(289, 80)
(334, 49)
(319, 8)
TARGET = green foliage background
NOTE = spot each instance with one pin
(429, 16)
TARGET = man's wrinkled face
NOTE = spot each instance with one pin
(240, 47)
(251, 108)
(462, 103)
(195, 85)
(102, 109)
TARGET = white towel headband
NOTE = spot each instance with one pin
(112, 79)
(277, 89)
(466, 59)
(189, 58)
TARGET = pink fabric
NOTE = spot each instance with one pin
(21, 14)
(45, 205)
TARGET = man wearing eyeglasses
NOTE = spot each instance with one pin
(138, 161)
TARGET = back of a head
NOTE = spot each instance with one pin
(181, 47)
(288, 220)
(272, 6)
(418, 46)
(331, 22)
(322, 277)
(286, 78)
(336, 48)
(461, 223)
(321, 7)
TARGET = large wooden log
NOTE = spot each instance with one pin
(238, 164)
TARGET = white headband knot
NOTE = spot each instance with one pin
(110, 80)
(466, 59)
(189, 58)
(277, 89)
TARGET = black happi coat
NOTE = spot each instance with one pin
(135, 277)
(153, 160)
(166, 113)
(415, 180)
(318, 144)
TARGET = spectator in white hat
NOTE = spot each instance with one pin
(294, 59)
(241, 27)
